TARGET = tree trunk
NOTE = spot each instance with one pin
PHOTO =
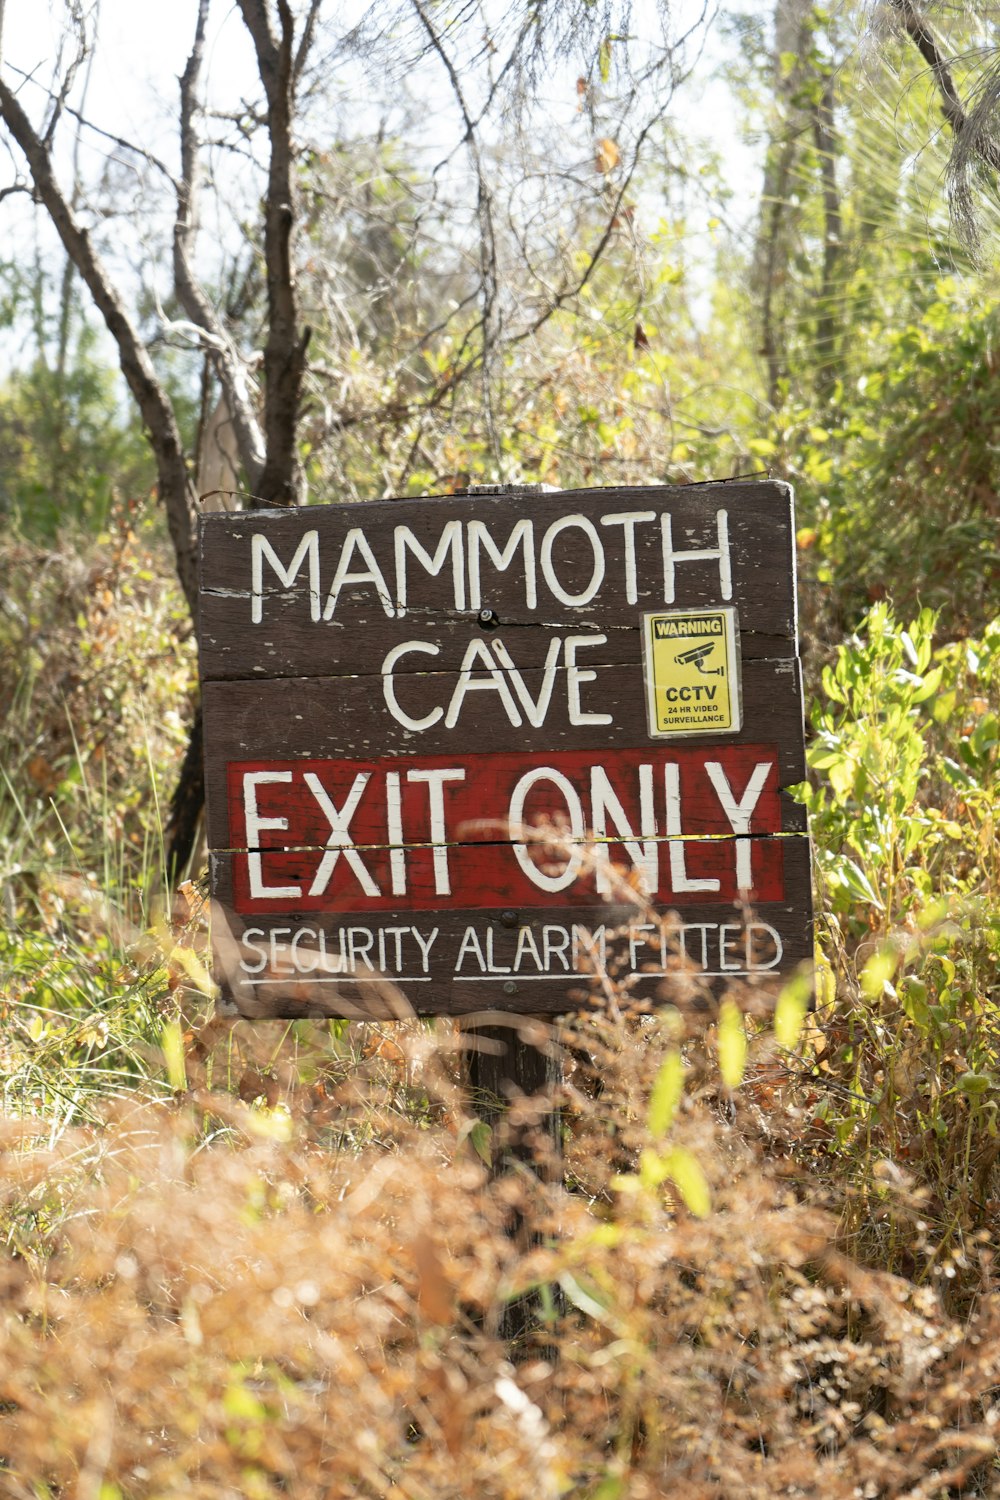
(827, 330)
(772, 252)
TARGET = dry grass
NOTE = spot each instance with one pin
(291, 1279)
(207, 1300)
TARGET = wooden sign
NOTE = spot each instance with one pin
(470, 748)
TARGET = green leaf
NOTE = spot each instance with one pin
(481, 1137)
(790, 1010)
(652, 1168)
(690, 1181)
(611, 1488)
(854, 879)
(732, 1044)
(666, 1094)
(976, 1083)
(913, 994)
(172, 1044)
(585, 1299)
(929, 685)
(243, 1405)
(877, 972)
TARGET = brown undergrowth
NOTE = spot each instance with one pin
(209, 1299)
(258, 1260)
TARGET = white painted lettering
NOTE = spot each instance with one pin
(298, 962)
(339, 841)
(725, 946)
(389, 685)
(679, 880)
(255, 825)
(434, 781)
(494, 682)
(628, 520)
(740, 813)
(703, 928)
(718, 554)
(249, 940)
(279, 951)
(394, 832)
(773, 939)
(359, 944)
(535, 709)
(575, 676)
(470, 945)
(325, 959)
(548, 568)
(555, 944)
(450, 541)
(577, 828)
(261, 549)
(526, 944)
(591, 946)
(355, 540)
(491, 966)
(425, 946)
(605, 804)
(396, 933)
(637, 941)
(523, 535)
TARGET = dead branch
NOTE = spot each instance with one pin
(152, 400)
(230, 369)
(972, 129)
(488, 269)
(976, 144)
(280, 481)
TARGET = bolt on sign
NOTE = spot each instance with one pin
(471, 748)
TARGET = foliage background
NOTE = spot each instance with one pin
(273, 1261)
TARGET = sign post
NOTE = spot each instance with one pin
(464, 748)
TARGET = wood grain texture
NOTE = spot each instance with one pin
(621, 792)
(492, 875)
(346, 718)
(417, 712)
(288, 642)
(530, 962)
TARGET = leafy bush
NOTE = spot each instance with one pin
(904, 1061)
(898, 477)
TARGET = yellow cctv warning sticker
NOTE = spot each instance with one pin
(692, 665)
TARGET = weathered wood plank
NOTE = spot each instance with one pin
(460, 962)
(339, 609)
(327, 719)
(537, 874)
(619, 663)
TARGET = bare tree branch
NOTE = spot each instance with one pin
(976, 142)
(69, 77)
(153, 402)
(280, 481)
(228, 365)
(825, 141)
(922, 37)
(107, 135)
(488, 269)
(306, 39)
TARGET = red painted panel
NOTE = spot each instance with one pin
(481, 876)
(476, 807)
(674, 788)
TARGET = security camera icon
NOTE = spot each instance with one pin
(697, 657)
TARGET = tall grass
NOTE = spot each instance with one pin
(271, 1260)
(209, 1301)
